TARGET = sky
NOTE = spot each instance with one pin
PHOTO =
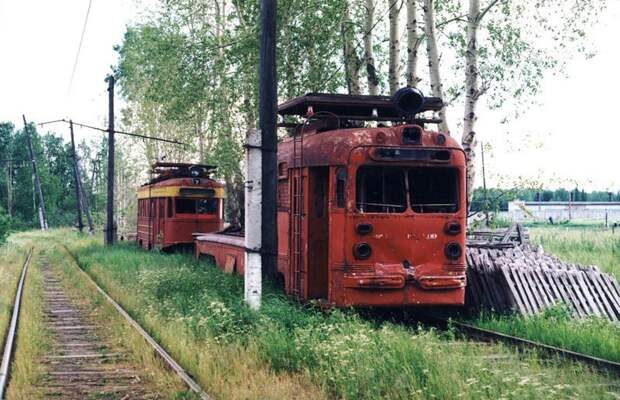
(569, 137)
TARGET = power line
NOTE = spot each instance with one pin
(115, 131)
(77, 55)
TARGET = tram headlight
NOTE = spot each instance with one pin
(362, 251)
(453, 251)
(194, 172)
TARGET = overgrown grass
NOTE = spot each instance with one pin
(288, 351)
(583, 243)
(555, 326)
(589, 245)
(33, 339)
(12, 257)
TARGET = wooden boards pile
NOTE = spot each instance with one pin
(526, 280)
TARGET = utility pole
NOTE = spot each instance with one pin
(9, 188)
(83, 200)
(37, 181)
(262, 146)
(484, 186)
(78, 197)
(110, 228)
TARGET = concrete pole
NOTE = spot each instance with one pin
(253, 228)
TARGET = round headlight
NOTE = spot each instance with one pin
(453, 251)
(362, 251)
(194, 172)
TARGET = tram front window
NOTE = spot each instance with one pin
(196, 206)
(381, 190)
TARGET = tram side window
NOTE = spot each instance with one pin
(341, 184)
(381, 190)
(170, 209)
(434, 190)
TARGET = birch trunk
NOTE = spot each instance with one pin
(472, 92)
(413, 42)
(369, 58)
(351, 60)
(433, 59)
(394, 67)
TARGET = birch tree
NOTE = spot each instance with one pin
(413, 42)
(352, 62)
(394, 54)
(433, 59)
(369, 58)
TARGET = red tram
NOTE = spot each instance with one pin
(367, 216)
(181, 199)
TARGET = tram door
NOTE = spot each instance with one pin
(318, 232)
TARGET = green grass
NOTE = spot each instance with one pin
(583, 244)
(576, 242)
(595, 336)
(12, 256)
(287, 350)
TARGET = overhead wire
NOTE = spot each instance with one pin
(82, 125)
(77, 55)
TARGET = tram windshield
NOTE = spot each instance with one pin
(196, 206)
(383, 189)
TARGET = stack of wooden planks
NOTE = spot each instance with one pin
(524, 279)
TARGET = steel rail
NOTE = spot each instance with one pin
(494, 336)
(189, 381)
(10, 339)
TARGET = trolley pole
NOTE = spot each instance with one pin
(37, 181)
(110, 228)
(78, 197)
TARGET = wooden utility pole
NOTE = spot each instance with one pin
(110, 228)
(83, 200)
(78, 196)
(37, 181)
(9, 188)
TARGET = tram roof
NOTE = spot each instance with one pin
(351, 107)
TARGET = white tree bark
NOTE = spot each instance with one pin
(369, 58)
(351, 60)
(413, 42)
(433, 59)
(253, 220)
(472, 92)
(394, 67)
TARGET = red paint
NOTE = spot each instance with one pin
(407, 264)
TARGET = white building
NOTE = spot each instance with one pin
(519, 210)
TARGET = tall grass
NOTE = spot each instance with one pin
(12, 257)
(555, 326)
(583, 244)
(290, 351)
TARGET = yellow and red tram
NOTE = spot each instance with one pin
(179, 200)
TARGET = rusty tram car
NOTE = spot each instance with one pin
(367, 216)
(179, 199)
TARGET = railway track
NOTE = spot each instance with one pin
(80, 363)
(488, 335)
(10, 337)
